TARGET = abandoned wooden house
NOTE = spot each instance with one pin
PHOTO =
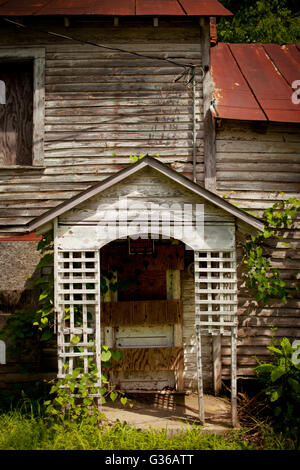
(83, 87)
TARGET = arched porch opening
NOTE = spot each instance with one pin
(78, 292)
(142, 313)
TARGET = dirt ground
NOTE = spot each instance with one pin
(173, 412)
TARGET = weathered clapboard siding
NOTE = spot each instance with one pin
(102, 106)
(255, 162)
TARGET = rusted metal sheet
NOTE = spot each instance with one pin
(66, 7)
(267, 84)
(204, 8)
(89, 7)
(30, 237)
(21, 8)
(158, 7)
(234, 99)
(113, 7)
(286, 59)
(253, 82)
(213, 31)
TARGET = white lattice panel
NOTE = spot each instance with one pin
(216, 310)
(77, 301)
(215, 292)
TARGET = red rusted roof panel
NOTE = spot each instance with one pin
(158, 7)
(254, 81)
(266, 82)
(204, 8)
(234, 99)
(88, 7)
(32, 237)
(286, 59)
(113, 7)
(21, 8)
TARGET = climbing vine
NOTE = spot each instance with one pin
(74, 395)
(264, 280)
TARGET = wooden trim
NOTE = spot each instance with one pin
(209, 137)
(174, 292)
(141, 312)
(234, 414)
(38, 111)
(38, 56)
(210, 168)
(217, 364)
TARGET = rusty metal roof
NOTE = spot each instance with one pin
(113, 7)
(254, 81)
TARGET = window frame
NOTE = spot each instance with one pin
(37, 54)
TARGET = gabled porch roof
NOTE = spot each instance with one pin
(153, 163)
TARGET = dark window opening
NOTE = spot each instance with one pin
(16, 113)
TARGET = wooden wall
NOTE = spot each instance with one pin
(255, 162)
(102, 106)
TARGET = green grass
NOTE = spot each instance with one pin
(27, 430)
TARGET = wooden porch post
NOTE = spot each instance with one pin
(173, 293)
(200, 375)
(234, 416)
(198, 339)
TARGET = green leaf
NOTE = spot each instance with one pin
(117, 354)
(276, 394)
(104, 378)
(274, 349)
(43, 296)
(113, 396)
(46, 335)
(87, 401)
(276, 373)
(75, 373)
(105, 356)
(264, 367)
(123, 400)
(295, 384)
(286, 346)
(75, 339)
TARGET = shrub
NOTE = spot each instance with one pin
(281, 382)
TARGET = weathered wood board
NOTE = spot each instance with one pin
(150, 359)
(143, 312)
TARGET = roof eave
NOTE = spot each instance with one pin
(132, 169)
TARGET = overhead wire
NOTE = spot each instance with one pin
(189, 71)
